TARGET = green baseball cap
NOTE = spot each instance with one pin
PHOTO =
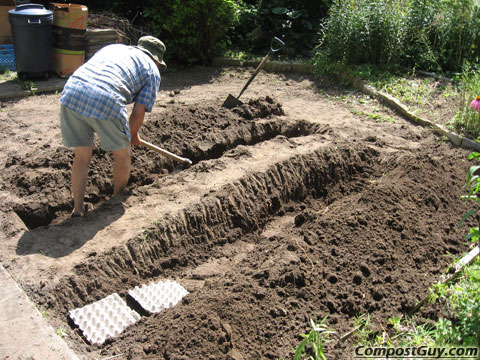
(154, 48)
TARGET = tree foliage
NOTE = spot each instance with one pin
(295, 21)
(193, 30)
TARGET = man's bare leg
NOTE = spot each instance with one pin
(121, 169)
(83, 154)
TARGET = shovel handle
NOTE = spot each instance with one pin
(276, 42)
(257, 70)
(279, 44)
(166, 153)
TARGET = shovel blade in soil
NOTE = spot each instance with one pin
(231, 101)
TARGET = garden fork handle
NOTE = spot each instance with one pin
(273, 49)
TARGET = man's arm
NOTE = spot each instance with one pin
(136, 121)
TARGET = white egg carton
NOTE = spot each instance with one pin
(156, 297)
(104, 319)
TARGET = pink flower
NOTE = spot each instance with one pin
(475, 104)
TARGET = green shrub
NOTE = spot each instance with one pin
(419, 34)
(458, 33)
(296, 22)
(442, 35)
(243, 34)
(194, 31)
(438, 35)
(363, 31)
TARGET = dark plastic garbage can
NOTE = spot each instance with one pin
(32, 39)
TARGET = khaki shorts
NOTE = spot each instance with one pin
(77, 130)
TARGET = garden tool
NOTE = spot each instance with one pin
(184, 161)
(232, 101)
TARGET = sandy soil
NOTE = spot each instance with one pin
(294, 207)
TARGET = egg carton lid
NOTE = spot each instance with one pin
(158, 296)
(104, 319)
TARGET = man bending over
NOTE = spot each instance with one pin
(94, 100)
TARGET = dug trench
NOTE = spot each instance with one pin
(41, 180)
(341, 230)
(276, 227)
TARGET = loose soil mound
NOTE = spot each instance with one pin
(340, 232)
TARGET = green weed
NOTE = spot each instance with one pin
(399, 332)
(463, 297)
(376, 117)
(313, 341)
(408, 333)
(364, 334)
(30, 86)
(61, 332)
(240, 55)
(6, 74)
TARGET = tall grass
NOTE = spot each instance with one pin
(358, 32)
(438, 35)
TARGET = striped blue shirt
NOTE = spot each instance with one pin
(115, 76)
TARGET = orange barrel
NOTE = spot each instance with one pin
(69, 27)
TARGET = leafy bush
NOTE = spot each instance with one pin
(441, 35)
(244, 34)
(296, 22)
(419, 34)
(458, 30)
(193, 30)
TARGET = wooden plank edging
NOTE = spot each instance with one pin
(401, 109)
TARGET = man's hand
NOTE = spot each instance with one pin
(135, 139)
(136, 121)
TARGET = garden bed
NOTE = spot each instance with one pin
(294, 207)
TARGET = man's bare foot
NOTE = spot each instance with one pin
(80, 214)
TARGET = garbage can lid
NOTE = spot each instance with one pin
(30, 11)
